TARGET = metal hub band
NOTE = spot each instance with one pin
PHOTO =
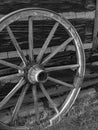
(36, 74)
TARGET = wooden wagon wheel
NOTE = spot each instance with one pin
(34, 72)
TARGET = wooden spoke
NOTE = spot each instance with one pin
(60, 82)
(19, 103)
(57, 50)
(48, 97)
(40, 55)
(15, 43)
(62, 67)
(14, 90)
(31, 39)
(34, 92)
(10, 77)
(10, 65)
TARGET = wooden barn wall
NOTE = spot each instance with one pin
(79, 12)
(59, 6)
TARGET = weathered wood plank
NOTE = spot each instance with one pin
(36, 1)
(41, 31)
(95, 32)
(13, 54)
(7, 6)
(71, 15)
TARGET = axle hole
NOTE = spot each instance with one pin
(42, 76)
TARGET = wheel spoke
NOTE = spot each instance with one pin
(31, 39)
(34, 92)
(10, 77)
(60, 82)
(10, 65)
(19, 103)
(15, 43)
(48, 97)
(57, 50)
(40, 55)
(62, 67)
(14, 90)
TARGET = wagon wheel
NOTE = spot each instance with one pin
(35, 71)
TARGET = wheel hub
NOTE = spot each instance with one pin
(36, 74)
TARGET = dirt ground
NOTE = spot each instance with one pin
(83, 115)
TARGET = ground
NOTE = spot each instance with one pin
(83, 115)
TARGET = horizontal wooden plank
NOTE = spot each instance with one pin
(69, 15)
(7, 6)
(36, 1)
(41, 30)
(12, 54)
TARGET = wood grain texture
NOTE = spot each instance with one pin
(7, 6)
(41, 31)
